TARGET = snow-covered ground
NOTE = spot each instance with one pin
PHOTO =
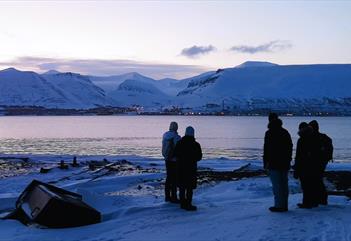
(133, 208)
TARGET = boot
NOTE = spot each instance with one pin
(191, 207)
(280, 210)
(183, 205)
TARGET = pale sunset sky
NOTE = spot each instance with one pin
(170, 38)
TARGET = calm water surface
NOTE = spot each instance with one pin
(229, 137)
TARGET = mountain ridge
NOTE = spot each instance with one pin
(249, 86)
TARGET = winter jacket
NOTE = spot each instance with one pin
(277, 150)
(308, 154)
(169, 141)
(187, 152)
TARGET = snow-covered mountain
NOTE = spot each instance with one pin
(248, 87)
(249, 64)
(140, 92)
(50, 90)
(258, 86)
(79, 89)
(111, 83)
(26, 88)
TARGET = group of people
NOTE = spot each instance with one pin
(181, 156)
(313, 152)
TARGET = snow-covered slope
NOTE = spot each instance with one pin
(271, 86)
(111, 83)
(50, 72)
(171, 86)
(25, 88)
(133, 208)
(139, 92)
(249, 64)
(249, 86)
(79, 90)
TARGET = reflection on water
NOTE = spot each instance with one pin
(111, 146)
(229, 137)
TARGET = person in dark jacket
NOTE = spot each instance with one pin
(307, 165)
(187, 152)
(277, 155)
(326, 156)
(169, 141)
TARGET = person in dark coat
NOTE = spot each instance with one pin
(277, 155)
(326, 156)
(307, 165)
(187, 152)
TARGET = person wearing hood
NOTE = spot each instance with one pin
(169, 141)
(277, 155)
(187, 152)
(307, 162)
(326, 154)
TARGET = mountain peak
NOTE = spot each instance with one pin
(10, 70)
(256, 64)
(51, 71)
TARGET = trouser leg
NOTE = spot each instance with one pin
(173, 180)
(182, 195)
(189, 195)
(168, 183)
(280, 186)
(284, 190)
(309, 191)
(322, 191)
(274, 181)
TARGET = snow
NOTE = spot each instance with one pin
(133, 208)
(111, 83)
(23, 88)
(137, 92)
(79, 90)
(261, 85)
(252, 85)
(255, 64)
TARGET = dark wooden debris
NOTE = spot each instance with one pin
(208, 176)
(341, 180)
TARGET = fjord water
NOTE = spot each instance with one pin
(220, 136)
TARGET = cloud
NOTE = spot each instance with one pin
(196, 51)
(106, 67)
(273, 46)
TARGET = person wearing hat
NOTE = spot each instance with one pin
(169, 141)
(187, 152)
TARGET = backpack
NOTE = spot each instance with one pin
(326, 148)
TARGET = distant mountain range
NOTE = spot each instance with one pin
(251, 86)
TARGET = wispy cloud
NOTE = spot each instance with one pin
(273, 46)
(106, 67)
(196, 51)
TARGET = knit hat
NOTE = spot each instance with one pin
(272, 116)
(189, 131)
(173, 126)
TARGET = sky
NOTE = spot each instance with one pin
(174, 39)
